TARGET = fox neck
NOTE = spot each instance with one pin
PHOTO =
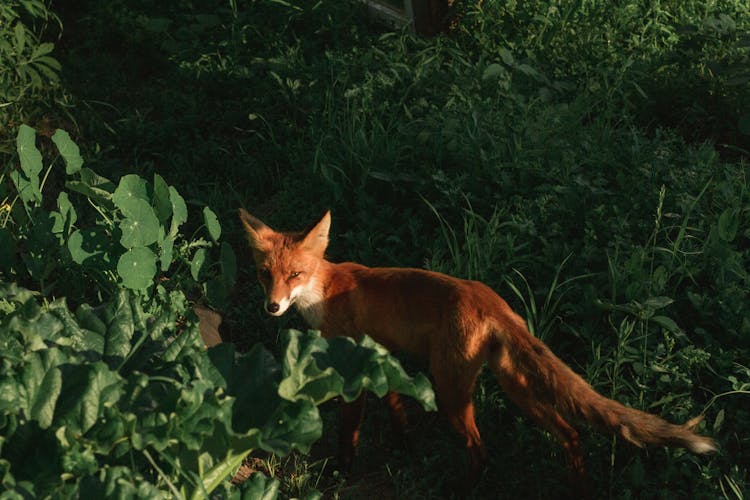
(309, 301)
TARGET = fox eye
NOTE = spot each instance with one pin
(294, 274)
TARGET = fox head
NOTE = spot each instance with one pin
(286, 263)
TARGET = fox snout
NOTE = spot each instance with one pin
(277, 306)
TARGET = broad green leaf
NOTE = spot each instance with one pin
(28, 190)
(93, 185)
(31, 158)
(197, 265)
(86, 390)
(141, 227)
(259, 416)
(223, 358)
(69, 151)
(318, 369)
(260, 487)
(162, 202)
(303, 375)
(184, 345)
(166, 250)
(253, 381)
(42, 382)
(154, 427)
(199, 411)
(121, 326)
(137, 268)
(88, 318)
(65, 217)
(35, 328)
(212, 223)
(75, 334)
(179, 211)
(27, 184)
(295, 425)
(131, 190)
(10, 395)
(90, 247)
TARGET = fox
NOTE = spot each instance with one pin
(459, 326)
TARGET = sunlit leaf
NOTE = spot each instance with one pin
(179, 211)
(197, 264)
(212, 223)
(137, 268)
(141, 227)
(130, 192)
(162, 202)
(69, 151)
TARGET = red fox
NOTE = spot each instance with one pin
(459, 325)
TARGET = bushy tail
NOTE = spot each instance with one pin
(635, 426)
(550, 391)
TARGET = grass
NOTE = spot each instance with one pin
(608, 138)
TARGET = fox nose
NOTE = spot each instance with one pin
(272, 307)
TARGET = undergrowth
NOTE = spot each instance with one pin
(586, 160)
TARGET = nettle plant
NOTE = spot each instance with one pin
(133, 242)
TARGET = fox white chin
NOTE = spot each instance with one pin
(308, 300)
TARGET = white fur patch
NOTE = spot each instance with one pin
(308, 299)
(702, 446)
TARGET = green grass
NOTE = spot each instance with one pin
(612, 139)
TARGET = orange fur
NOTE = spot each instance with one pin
(459, 325)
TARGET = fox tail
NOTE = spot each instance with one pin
(550, 392)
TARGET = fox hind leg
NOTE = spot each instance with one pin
(454, 390)
(516, 386)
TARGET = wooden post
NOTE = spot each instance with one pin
(430, 16)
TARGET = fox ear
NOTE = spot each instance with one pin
(256, 230)
(316, 239)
